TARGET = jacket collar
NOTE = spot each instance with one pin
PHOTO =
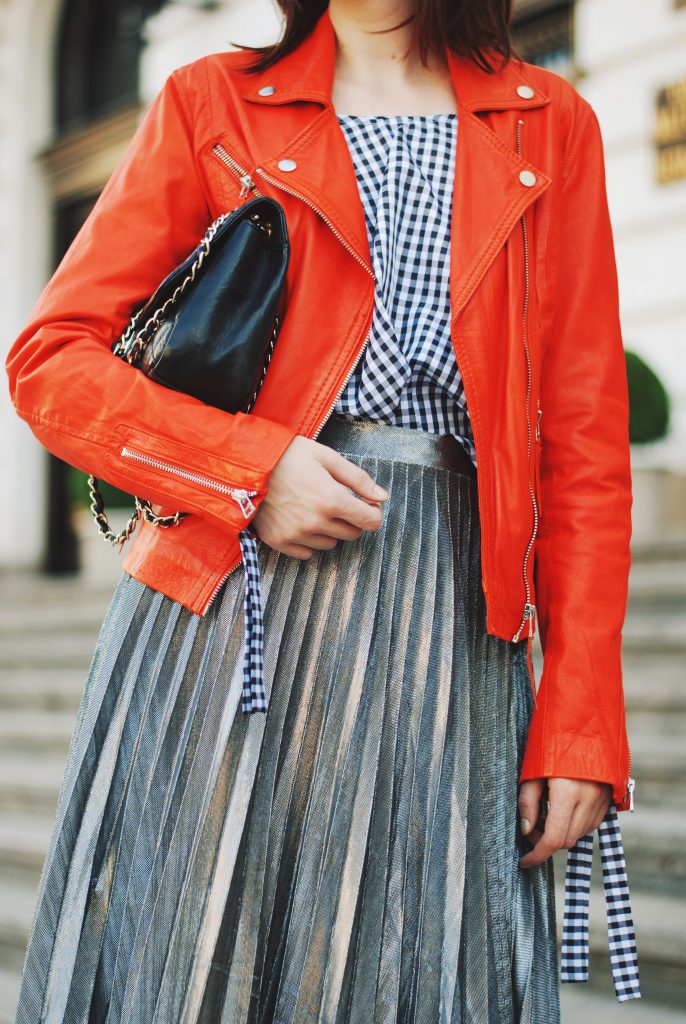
(489, 195)
(307, 73)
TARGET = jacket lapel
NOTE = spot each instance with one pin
(488, 197)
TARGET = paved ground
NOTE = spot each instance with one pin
(47, 633)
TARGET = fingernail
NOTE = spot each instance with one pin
(379, 492)
(525, 825)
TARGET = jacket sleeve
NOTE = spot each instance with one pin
(582, 552)
(89, 407)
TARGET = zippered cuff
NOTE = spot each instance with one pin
(573, 754)
(173, 474)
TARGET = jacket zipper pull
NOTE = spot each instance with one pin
(529, 613)
(538, 423)
(247, 185)
(242, 497)
(631, 785)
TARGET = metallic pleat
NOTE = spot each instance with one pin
(351, 857)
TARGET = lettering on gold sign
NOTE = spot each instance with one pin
(670, 132)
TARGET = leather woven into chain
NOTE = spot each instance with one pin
(130, 347)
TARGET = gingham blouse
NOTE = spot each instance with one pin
(407, 374)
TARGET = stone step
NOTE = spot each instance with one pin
(661, 579)
(654, 681)
(82, 616)
(660, 942)
(580, 1004)
(658, 749)
(654, 752)
(654, 843)
(24, 840)
(47, 689)
(42, 732)
(655, 632)
(658, 763)
(656, 725)
(30, 784)
(655, 847)
(35, 744)
(71, 650)
(9, 993)
(37, 589)
(659, 549)
(17, 902)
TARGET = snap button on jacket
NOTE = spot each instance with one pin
(534, 322)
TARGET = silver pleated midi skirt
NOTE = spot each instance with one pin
(348, 857)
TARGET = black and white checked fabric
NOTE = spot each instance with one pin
(254, 696)
(620, 925)
(408, 375)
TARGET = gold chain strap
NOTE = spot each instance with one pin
(131, 347)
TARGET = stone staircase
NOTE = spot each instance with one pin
(48, 630)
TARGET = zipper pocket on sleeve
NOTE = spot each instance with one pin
(239, 494)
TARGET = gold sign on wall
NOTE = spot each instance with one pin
(670, 133)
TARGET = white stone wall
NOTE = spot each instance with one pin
(180, 34)
(628, 50)
(26, 45)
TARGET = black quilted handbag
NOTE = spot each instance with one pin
(211, 325)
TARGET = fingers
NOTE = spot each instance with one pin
(529, 803)
(350, 475)
(296, 550)
(337, 503)
(335, 529)
(310, 542)
(316, 497)
(575, 808)
(554, 834)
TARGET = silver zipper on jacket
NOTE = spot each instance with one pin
(239, 494)
(291, 192)
(248, 185)
(219, 584)
(529, 608)
(341, 389)
(303, 199)
(339, 236)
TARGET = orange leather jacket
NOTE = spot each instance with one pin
(535, 326)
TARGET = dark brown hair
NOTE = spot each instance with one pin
(467, 27)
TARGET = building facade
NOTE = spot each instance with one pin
(76, 75)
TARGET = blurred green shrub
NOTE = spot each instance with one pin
(648, 402)
(78, 492)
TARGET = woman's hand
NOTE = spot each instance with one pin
(308, 504)
(575, 807)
